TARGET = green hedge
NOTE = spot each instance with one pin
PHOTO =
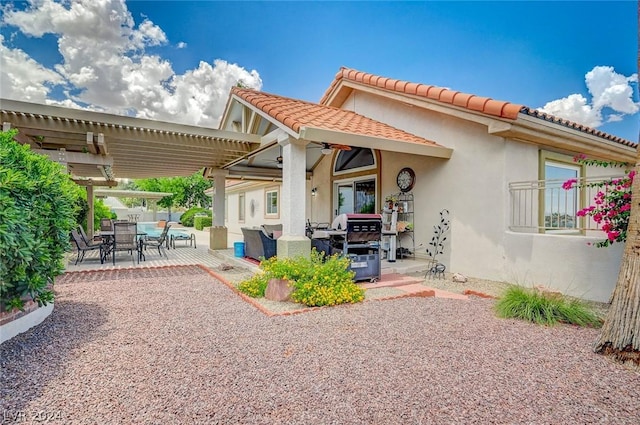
(200, 222)
(187, 217)
(38, 203)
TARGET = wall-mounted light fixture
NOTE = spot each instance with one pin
(314, 191)
(326, 149)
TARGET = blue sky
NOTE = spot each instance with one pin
(575, 59)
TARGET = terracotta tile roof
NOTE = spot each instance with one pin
(576, 126)
(296, 114)
(484, 105)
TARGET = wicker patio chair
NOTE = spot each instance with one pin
(158, 241)
(124, 239)
(83, 247)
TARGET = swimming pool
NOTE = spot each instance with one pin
(151, 229)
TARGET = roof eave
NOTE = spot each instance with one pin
(533, 130)
(321, 135)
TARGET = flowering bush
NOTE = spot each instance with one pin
(612, 203)
(316, 280)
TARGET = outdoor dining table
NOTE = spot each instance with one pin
(107, 235)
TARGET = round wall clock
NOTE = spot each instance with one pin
(406, 179)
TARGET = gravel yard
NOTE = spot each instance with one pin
(175, 346)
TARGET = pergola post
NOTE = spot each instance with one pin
(218, 231)
(293, 241)
(91, 212)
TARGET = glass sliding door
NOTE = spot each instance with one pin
(355, 196)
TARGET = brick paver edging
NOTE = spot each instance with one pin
(422, 294)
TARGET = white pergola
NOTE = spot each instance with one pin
(97, 147)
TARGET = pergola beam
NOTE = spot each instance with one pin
(68, 157)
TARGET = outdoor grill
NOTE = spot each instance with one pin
(360, 242)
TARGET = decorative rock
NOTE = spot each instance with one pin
(459, 277)
(278, 290)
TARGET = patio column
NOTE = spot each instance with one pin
(218, 232)
(293, 241)
(91, 212)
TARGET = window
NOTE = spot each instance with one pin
(271, 209)
(354, 158)
(356, 196)
(241, 202)
(559, 206)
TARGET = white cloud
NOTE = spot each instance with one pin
(23, 78)
(181, 45)
(104, 65)
(611, 99)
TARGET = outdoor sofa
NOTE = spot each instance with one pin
(261, 241)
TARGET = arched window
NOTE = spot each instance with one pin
(354, 158)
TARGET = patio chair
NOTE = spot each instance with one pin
(106, 225)
(83, 247)
(124, 239)
(97, 239)
(157, 241)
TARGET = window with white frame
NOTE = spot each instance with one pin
(241, 205)
(271, 203)
(560, 204)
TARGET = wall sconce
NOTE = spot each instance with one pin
(314, 191)
(326, 149)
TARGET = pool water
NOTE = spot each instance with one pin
(152, 230)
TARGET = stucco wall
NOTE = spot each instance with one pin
(473, 186)
(256, 194)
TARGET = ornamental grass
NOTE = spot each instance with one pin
(544, 309)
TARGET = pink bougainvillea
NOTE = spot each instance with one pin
(612, 204)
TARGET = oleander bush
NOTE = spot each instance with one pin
(38, 204)
(187, 218)
(317, 280)
(545, 309)
(200, 222)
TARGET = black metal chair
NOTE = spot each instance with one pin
(83, 247)
(89, 242)
(158, 241)
(124, 239)
(106, 225)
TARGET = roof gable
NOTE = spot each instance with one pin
(298, 114)
(338, 92)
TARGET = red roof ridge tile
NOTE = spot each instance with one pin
(501, 109)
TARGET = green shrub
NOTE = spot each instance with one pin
(38, 203)
(546, 309)
(201, 222)
(255, 286)
(316, 280)
(187, 217)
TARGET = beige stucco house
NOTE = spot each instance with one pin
(491, 164)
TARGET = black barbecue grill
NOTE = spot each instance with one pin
(361, 243)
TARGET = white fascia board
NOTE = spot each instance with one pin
(534, 130)
(426, 103)
(320, 135)
(266, 117)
